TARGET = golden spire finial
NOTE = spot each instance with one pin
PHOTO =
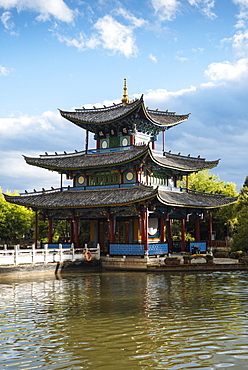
(125, 99)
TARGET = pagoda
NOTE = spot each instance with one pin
(124, 189)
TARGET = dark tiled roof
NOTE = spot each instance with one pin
(84, 198)
(116, 197)
(194, 200)
(179, 162)
(166, 119)
(79, 161)
(92, 119)
(101, 115)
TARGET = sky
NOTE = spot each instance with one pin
(187, 56)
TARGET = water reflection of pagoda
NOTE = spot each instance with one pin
(125, 189)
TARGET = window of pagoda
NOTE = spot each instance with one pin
(104, 178)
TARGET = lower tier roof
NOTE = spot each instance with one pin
(117, 197)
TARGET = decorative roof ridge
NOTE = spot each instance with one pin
(156, 111)
(150, 112)
(198, 192)
(69, 190)
(58, 155)
(38, 192)
(178, 155)
(166, 113)
(106, 108)
(89, 152)
(182, 163)
(174, 155)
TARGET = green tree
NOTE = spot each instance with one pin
(207, 182)
(240, 238)
(245, 185)
(15, 221)
(223, 218)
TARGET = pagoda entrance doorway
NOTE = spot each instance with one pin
(103, 236)
(122, 232)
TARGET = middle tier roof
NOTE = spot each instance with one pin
(83, 160)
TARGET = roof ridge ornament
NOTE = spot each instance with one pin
(125, 99)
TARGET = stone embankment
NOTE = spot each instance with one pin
(124, 264)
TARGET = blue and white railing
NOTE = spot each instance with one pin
(49, 253)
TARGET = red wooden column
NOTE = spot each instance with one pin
(183, 233)
(127, 227)
(169, 235)
(132, 139)
(197, 230)
(144, 225)
(36, 230)
(76, 240)
(50, 230)
(210, 230)
(111, 229)
(162, 229)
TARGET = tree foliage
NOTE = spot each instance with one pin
(240, 238)
(207, 182)
(15, 221)
(223, 218)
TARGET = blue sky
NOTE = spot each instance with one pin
(188, 56)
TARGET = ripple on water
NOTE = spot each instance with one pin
(126, 321)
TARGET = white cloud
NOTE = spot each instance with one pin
(166, 9)
(112, 36)
(156, 97)
(153, 58)
(205, 6)
(243, 3)
(243, 13)
(228, 71)
(21, 176)
(137, 22)
(207, 84)
(239, 42)
(182, 59)
(14, 127)
(6, 20)
(116, 37)
(4, 71)
(56, 8)
(78, 43)
(31, 136)
(200, 50)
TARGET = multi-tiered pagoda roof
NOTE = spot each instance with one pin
(123, 183)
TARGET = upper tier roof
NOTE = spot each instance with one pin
(119, 196)
(77, 161)
(93, 119)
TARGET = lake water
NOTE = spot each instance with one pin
(125, 321)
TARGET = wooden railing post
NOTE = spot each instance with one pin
(45, 252)
(16, 258)
(72, 252)
(60, 252)
(33, 253)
